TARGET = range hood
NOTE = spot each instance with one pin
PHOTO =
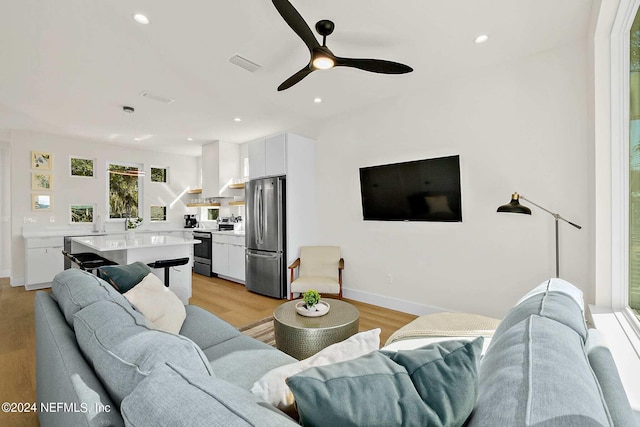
(220, 169)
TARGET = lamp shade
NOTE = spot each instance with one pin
(514, 206)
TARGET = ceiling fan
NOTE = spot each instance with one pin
(321, 56)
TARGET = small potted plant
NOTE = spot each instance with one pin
(311, 298)
(132, 224)
(311, 306)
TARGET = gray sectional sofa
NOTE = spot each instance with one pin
(101, 366)
(94, 354)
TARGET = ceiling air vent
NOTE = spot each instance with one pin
(163, 99)
(244, 63)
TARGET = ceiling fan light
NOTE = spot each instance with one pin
(323, 63)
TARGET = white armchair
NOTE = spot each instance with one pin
(319, 268)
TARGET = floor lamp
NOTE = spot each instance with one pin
(515, 207)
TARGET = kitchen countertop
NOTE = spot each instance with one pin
(62, 232)
(214, 231)
(32, 233)
(143, 240)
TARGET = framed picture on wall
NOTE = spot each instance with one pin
(41, 160)
(41, 202)
(41, 181)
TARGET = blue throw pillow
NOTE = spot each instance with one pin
(435, 385)
(124, 277)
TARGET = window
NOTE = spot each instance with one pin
(125, 188)
(159, 174)
(81, 167)
(158, 213)
(212, 214)
(634, 168)
(81, 214)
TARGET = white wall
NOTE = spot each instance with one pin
(521, 127)
(5, 208)
(183, 173)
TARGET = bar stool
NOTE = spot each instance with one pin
(88, 261)
(167, 264)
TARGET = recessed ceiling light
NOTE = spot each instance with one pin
(142, 137)
(481, 39)
(237, 119)
(317, 100)
(141, 19)
(189, 139)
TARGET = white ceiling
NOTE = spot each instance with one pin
(68, 67)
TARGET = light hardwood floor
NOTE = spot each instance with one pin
(230, 301)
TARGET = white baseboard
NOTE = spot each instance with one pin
(37, 286)
(16, 281)
(390, 303)
(5, 273)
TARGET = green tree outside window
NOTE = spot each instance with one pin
(158, 175)
(124, 189)
(81, 167)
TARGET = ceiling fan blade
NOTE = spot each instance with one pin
(374, 65)
(296, 22)
(296, 78)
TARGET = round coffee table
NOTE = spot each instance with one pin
(301, 336)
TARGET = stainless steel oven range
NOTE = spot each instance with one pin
(202, 253)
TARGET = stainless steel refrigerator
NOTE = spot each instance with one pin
(265, 237)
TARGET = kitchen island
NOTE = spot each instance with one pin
(145, 248)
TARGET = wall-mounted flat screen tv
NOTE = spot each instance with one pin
(421, 190)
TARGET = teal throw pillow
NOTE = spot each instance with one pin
(124, 277)
(445, 376)
(435, 385)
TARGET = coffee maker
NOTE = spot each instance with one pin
(190, 221)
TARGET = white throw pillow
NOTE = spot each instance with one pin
(272, 387)
(159, 305)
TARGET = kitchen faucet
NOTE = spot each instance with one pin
(126, 219)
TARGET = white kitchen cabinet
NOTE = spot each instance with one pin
(228, 256)
(236, 260)
(43, 259)
(275, 155)
(257, 166)
(220, 258)
(267, 157)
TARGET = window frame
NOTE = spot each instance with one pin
(141, 176)
(620, 156)
(151, 215)
(166, 174)
(94, 162)
(93, 213)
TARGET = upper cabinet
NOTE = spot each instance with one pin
(267, 157)
(220, 168)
